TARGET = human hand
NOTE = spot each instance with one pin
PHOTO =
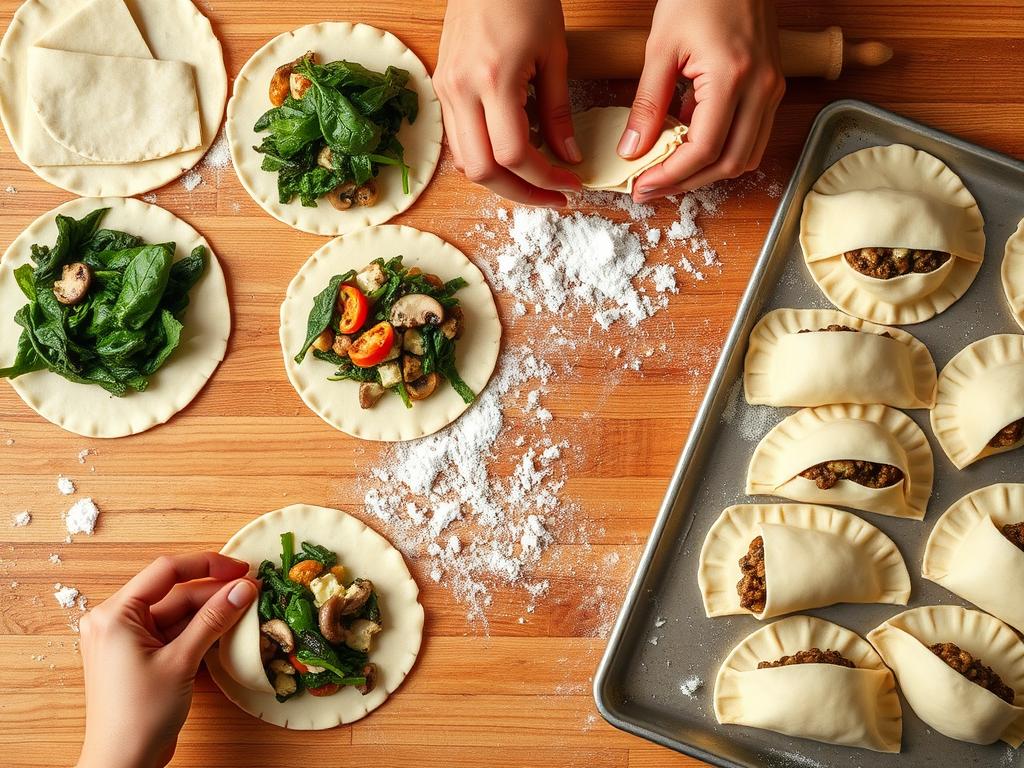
(490, 51)
(729, 49)
(141, 649)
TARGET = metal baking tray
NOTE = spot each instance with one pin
(662, 638)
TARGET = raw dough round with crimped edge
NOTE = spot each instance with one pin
(235, 662)
(337, 402)
(88, 409)
(174, 31)
(334, 41)
(1013, 273)
(891, 197)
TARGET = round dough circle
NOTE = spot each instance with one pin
(364, 553)
(337, 402)
(87, 409)
(1013, 273)
(883, 181)
(176, 31)
(334, 41)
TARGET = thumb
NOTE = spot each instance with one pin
(217, 616)
(552, 86)
(650, 106)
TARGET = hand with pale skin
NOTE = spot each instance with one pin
(490, 52)
(141, 649)
(729, 49)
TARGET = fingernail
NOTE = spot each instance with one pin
(572, 149)
(645, 190)
(629, 142)
(241, 594)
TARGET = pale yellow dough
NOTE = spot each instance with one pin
(337, 402)
(814, 557)
(235, 663)
(855, 707)
(334, 41)
(896, 197)
(1013, 273)
(873, 433)
(87, 409)
(938, 694)
(968, 554)
(785, 367)
(597, 132)
(981, 391)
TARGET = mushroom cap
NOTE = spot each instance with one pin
(416, 309)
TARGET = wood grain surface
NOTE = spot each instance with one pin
(517, 694)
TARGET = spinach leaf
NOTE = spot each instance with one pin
(320, 315)
(72, 234)
(145, 279)
(108, 240)
(349, 74)
(287, 552)
(347, 370)
(343, 677)
(371, 609)
(345, 129)
(322, 555)
(266, 607)
(440, 357)
(403, 393)
(316, 183)
(24, 276)
(26, 359)
(118, 346)
(299, 614)
(185, 273)
(167, 340)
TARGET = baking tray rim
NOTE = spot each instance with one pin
(701, 422)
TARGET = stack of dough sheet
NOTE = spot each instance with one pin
(98, 97)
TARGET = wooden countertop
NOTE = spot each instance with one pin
(519, 694)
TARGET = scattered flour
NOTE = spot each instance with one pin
(84, 454)
(21, 519)
(690, 686)
(11, 189)
(65, 485)
(149, 198)
(191, 180)
(81, 518)
(218, 156)
(65, 596)
(752, 422)
(54, 558)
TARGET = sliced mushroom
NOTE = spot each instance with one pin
(370, 673)
(281, 81)
(324, 341)
(341, 196)
(74, 283)
(280, 633)
(355, 596)
(367, 194)
(412, 367)
(423, 387)
(370, 393)
(325, 159)
(282, 667)
(452, 327)
(298, 85)
(360, 634)
(334, 610)
(416, 309)
(342, 342)
(267, 649)
(285, 685)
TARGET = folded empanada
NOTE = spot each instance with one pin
(1013, 273)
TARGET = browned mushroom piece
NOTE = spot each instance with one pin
(367, 194)
(341, 196)
(360, 634)
(281, 81)
(423, 387)
(326, 158)
(412, 367)
(329, 619)
(74, 283)
(324, 341)
(416, 309)
(370, 673)
(370, 392)
(267, 649)
(342, 343)
(280, 633)
(453, 326)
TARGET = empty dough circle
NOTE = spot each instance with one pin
(175, 31)
(337, 402)
(88, 409)
(364, 553)
(1013, 274)
(334, 41)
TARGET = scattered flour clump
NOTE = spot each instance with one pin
(21, 519)
(81, 518)
(65, 596)
(690, 686)
(65, 485)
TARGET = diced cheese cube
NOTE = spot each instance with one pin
(324, 588)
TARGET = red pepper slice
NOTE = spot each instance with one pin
(299, 666)
(353, 307)
(373, 346)
(324, 690)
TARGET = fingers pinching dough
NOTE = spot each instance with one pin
(892, 235)
(979, 409)
(810, 357)
(810, 678)
(772, 559)
(868, 457)
(976, 551)
(960, 670)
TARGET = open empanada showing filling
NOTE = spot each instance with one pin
(811, 357)
(1013, 273)
(867, 457)
(813, 679)
(979, 408)
(772, 559)
(976, 550)
(960, 670)
(891, 234)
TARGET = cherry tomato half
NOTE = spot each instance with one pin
(324, 690)
(352, 306)
(373, 346)
(299, 666)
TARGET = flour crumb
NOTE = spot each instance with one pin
(21, 519)
(65, 485)
(149, 198)
(65, 596)
(191, 180)
(84, 454)
(660, 621)
(218, 156)
(690, 686)
(10, 189)
(54, 558)
(81, 518)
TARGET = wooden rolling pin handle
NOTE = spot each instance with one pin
(619, 54)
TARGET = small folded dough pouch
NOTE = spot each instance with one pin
(852, 707)
(814, 557)
(891, 197)
(791, 361)
(873, 433)
(112, 109)
(968, 554)
(938, 694)
(981, 392)
(235, 663)
(1013, 274)
(598, 131)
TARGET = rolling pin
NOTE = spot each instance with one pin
(619, 54)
